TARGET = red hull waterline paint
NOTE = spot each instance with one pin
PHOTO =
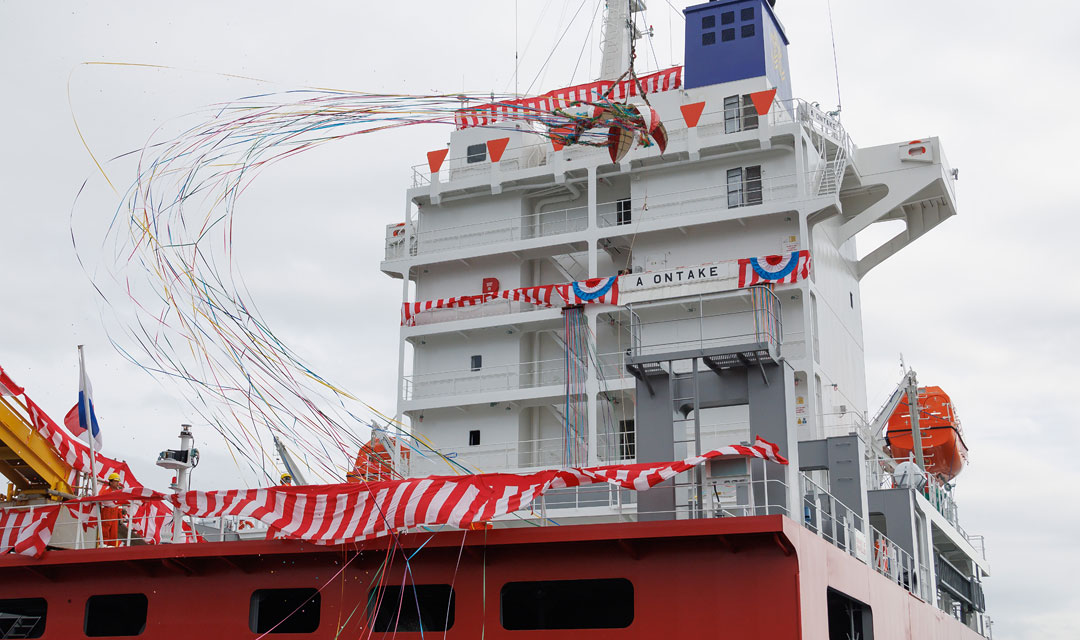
(763, 577)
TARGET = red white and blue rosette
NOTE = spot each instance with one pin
(775, 267)
(594, 288)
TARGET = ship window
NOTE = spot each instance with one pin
(284, 611)
(622, 211)
(627, 448)
(752, 185)
(474, 438)
(708, 38)
(748, 31)
(749, 113)
(848, 618)
(567, 604)
(476, 153)
(851, 299)
(731, 114)
(734, 188)
(23, 617)
(121, 614)
(740, 114)
(708, 22)
(747, 14)
(728, 17)
(475, 362)
(420, 607)
(727, 35)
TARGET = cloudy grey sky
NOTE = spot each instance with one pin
(984, 306)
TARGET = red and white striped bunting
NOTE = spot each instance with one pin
(593, 291)
(486, 114)
(337, 514)
(27, 531)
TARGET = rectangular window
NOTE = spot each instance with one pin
(848, 618)
(567, 604)
(474, 438)
(728, 17)
(23, 617)
(727, 35)
(747, 31)
(475, 362)
(284, 611)
(627, 449)
(734, 188)
(476, 153)
(707, 38)
(622, 211)
(420, 607)
(747, 14)
(708, 22)
(749, 113)
(752, 185)
(122, 614)
(732, 122)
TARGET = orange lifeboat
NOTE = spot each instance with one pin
(942, 438)
(374, 462)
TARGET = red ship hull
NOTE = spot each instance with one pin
(752, 577)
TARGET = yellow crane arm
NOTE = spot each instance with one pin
(27, 459)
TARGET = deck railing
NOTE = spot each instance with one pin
(838, 524)
(508, 377)
(715, 123)
(762, 323)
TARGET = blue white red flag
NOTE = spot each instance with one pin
(81, 419)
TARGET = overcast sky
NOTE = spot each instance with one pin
(984, 306)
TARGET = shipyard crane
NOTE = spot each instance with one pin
(30, 463)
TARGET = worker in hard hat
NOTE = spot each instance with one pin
(286, 479)
(111, 512)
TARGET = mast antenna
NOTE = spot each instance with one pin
(836, 66)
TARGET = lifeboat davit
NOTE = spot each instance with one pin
(943, 445)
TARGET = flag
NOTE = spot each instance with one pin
(8, 386)
(81, 419)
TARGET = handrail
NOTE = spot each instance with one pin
(795, 110)
(767, 327)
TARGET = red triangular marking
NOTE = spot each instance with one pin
(561, 131)
(691, 113)
(435, 159)
(763, 100)
(496, 148)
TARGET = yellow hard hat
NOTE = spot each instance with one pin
(286, 476)
(114, 476)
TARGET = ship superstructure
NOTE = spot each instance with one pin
(739, 307)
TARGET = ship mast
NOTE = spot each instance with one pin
(619, 36)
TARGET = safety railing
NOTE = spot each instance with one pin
(520, 456)
(522, 375)
(761, 324)
(525, 227)
(938, 495)
(745, 191)
(833, 520)
(896, 564)
(736, 194)
(98, 529)
(838, 524)
(715, 122)
(101, 527)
